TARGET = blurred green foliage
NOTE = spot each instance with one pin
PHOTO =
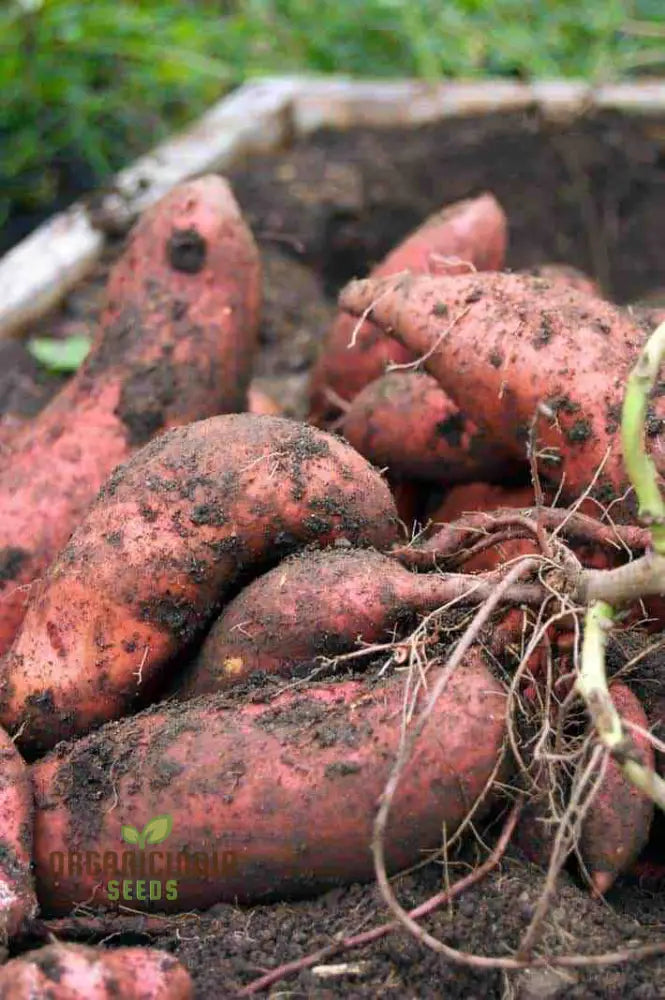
(87, 85)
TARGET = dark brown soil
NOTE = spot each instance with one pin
(324, 210)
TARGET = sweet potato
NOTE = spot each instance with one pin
(486, 497)
(175, 344)
(315, 604)
(616, 826)
(17, 894)
(271, 799)
(405, 422)
(472, 231)
(172, 531)
(513, 345)
(76, 972)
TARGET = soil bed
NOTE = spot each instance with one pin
(324, 210)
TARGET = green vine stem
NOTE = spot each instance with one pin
(591, 683)
(639, 466)
(592, 686)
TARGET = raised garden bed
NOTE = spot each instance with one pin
(582, 182)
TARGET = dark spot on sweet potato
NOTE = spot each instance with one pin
(186, 250)
(11, 559)
(612, 418)
(496, 359)
(144, 397)
(474, 296)
(544, 334)
(179, 309)
(208, 513)
(43, 701)
(55, 638)
(561, 403)
(452, 429)
(580, 431)
(439, 309)
(49, 964)
(172, 614)
(114, 538)
(342, 768)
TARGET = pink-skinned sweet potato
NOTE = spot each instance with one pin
(270, 799)
(616, 826)
(315, 604)
(175, 343)
(18, 902)
(512, 346)
(405, 422)
(468, 235)
(76, 972)
(172, 531)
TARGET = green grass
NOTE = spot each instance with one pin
(88, 85)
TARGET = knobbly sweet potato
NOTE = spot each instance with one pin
(470, 234)
(512, 345)
(616, 826)
(76, 972)
(268, 799)
(175, 344)
(172, 531)
(405, 422)
(315, 604)
(17, 894)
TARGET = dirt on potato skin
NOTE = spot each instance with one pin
(323, 211)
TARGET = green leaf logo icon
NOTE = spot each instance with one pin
(130, 834)
(155, 831)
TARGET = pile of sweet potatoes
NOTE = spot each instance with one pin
(198, 595)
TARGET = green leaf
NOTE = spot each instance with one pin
(60, 355)
(129, 834)
(157, 829)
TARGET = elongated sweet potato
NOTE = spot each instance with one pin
(192, 513)
(473, 232)
(17, 894)
(512, 346)
(175, 344)
(76, 972)
(268, 800)
(405, 422)
(616, 826)
(315, 604)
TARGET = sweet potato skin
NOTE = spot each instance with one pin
(565, 276)
(513, 346)
(473, 232)
(17, 894)
(405, 422)
(175, 344)
(76, 972)
(176, 527)
(314, 604)
(616, 827)
(283, 791)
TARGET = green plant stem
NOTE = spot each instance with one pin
(592, 686)
(639, 466)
